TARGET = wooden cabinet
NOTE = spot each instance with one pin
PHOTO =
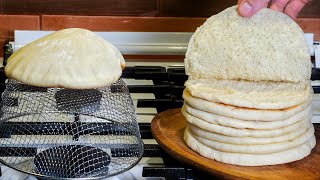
(172, 8)
(82, 7)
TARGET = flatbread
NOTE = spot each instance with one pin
(258, 95)
(245, 140)
(289, 155)
(71, 58)
(240, 124)
(228, 131)
(243, 113)
(257, 148)
(269, 46)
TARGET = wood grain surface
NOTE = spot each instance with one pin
(168, 128)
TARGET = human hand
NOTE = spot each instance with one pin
(247, 8)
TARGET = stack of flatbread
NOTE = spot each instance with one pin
(248, 97)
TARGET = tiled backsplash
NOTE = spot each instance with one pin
(81, 7)
(123, 15)
(9, 23)
(168, 8)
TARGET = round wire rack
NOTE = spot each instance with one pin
(65, 133)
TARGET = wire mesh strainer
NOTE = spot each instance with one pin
(63, 133)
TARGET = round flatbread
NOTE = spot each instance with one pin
(241, 112)
(257, 148)
(289, 155)
(240, 124)
(228, 131)
(269, 46)
(245, 140)
(71, 58)
(258, 95)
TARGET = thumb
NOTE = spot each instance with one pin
(249, 7)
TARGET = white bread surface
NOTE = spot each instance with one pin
(235, 132)
(247, 159)
(269, 46)
(257, 148)
(244, 124)
(242, 112)
(246, 140)
(259, 95)
(70, 58)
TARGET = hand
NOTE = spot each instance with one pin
(247, 8)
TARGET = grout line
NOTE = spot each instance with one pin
(40, 22)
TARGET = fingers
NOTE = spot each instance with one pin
(294, 7)
(240, 1)
(278, 5)
(249, 7)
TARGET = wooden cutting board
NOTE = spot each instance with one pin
(168, 128)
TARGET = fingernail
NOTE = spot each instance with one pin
(245, 8)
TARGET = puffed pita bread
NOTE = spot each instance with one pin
(258, 95)
(228, 131)
(241, 112)
(71, 58)
(240, 124)
(289, 155)
(269, 46)
(257, 148)
(245, 140)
